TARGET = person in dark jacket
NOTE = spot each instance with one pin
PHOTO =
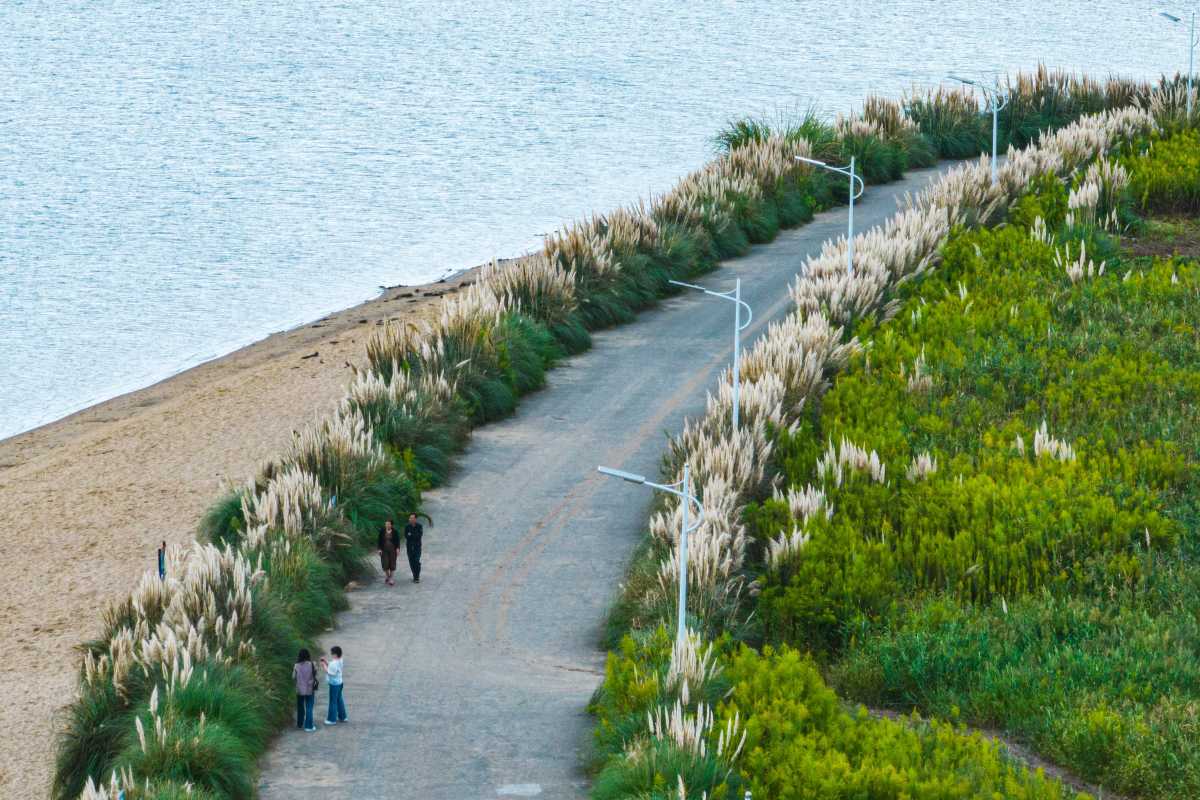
(389, 546)
(412, 543)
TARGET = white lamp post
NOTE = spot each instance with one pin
(849, 172)
(738, 327)
(1192, 42)
(998, 100)
(680, 490)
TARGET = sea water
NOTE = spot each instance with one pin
(180, 179)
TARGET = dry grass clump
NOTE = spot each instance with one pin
(534, 285)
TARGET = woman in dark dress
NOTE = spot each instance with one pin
(389, 545)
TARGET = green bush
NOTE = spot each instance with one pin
(951, 122)
(635, 681)
(1040, 578)
(223, 523)
(1167, 178)
(970, 377)
(94, 732)
(1108, 686)
(805, 124)
(801, 743)
(204, 754)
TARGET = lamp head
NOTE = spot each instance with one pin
(811, 161)
(1171, 17)
(625, 476)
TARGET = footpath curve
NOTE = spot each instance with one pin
(472, 684)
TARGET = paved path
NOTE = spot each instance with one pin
(472, 684)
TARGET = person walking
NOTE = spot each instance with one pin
(389, 546)
(412, 543)
(337, 702)
(304, 672)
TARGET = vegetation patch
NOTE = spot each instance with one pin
(221, 630)
(1030, 561)
(964, 484)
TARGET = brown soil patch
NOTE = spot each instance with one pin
(1165, 238)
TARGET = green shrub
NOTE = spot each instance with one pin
(204, 754)
(656, 769)
(1106, 686)
(970, 376)
(636, 681)
(1040, 577)
(951, 122)
(1167, 178)
(801, 743)
(97, 725)
(795, 125)
(223, 523)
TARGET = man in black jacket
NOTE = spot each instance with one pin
(412, 543)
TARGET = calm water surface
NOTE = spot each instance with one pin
(180, 179)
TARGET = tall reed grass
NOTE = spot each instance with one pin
(190, 674)
(790, 367)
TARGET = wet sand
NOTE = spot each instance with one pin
(85, 501)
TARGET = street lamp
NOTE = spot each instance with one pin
(848, 171)
(680, 490)
(1192, 42)
(998, 100)
(738, 327)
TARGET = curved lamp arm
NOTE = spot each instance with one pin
(669, 488)
(840, 170)
(730, 295)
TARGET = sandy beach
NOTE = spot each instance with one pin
(84, 501)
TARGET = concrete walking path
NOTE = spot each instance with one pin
(473, 683)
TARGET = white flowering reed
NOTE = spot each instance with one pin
(334, 449)
(923, 465)
(1040, 233)
(689, 732)
(918, 381)
(836, 461)
(888, 117)
(802, 351)
(199, 612)
(535, 285)
(1080, 266)
(119, 784)
(1168, 106)
(693, 666)
(380, 395)
(1046, 445)
(292, 502)
(785, 549)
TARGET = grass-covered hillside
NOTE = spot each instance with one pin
(969, 488)
(1029, 561)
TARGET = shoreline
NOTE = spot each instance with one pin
(87, 498)
(387, 294)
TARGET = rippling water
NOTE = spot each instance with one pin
(179, 179)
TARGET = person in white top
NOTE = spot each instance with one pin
(333, 673)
